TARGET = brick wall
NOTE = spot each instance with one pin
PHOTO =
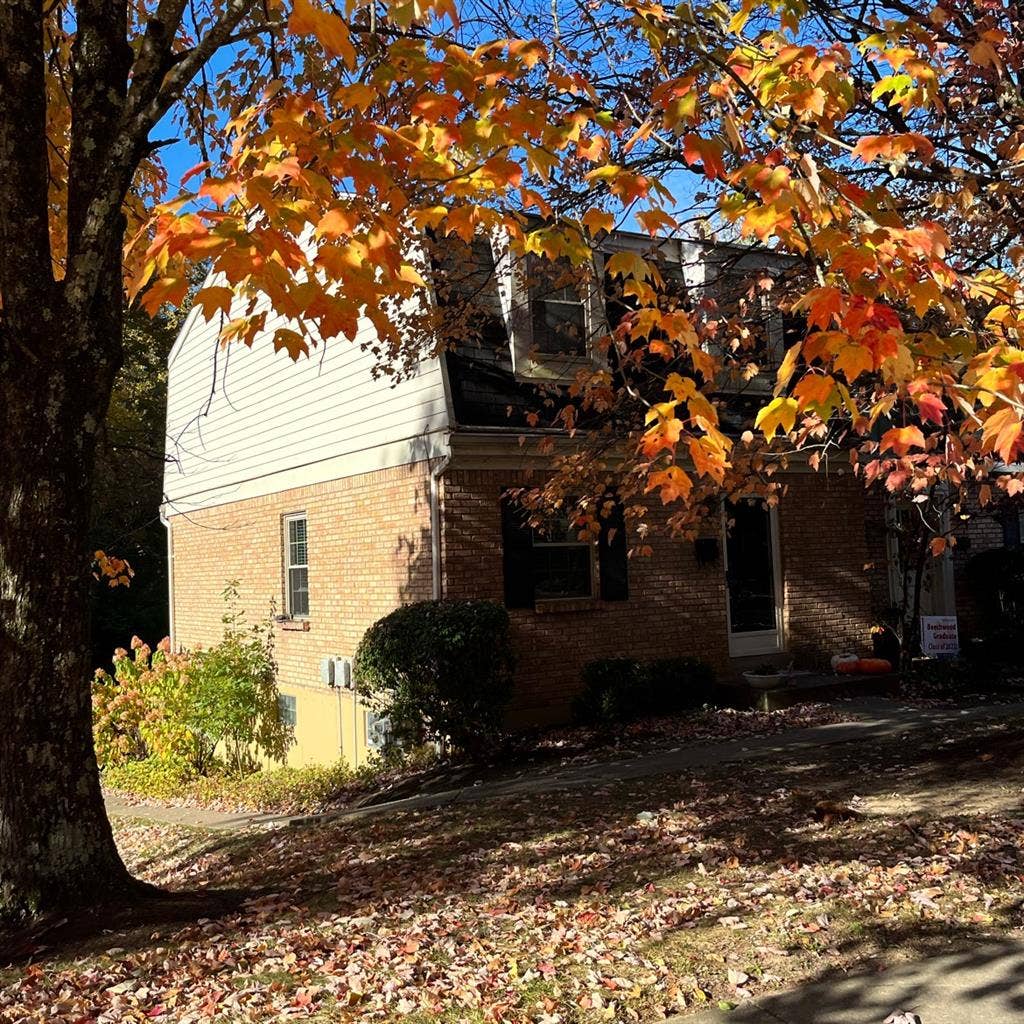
(675, 606)
(825, 565)
(369, 551)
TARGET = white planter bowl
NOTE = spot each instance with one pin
(765, 682)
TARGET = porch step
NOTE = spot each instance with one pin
(807, 686)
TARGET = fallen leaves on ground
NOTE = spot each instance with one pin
(627, 902)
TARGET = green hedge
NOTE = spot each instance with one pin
(617, 690)
(440, 671)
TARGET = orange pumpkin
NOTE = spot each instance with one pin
(874, 666)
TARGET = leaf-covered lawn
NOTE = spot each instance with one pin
(626, 903)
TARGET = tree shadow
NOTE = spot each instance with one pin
(982, 981)
(596, 847)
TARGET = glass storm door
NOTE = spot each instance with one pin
(753, 579)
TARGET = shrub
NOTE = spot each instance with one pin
(181, 710)
(617, 690)
(612, 691)
(233, 704)
(676, 684)
(140, 712)
(440, 670)
(150, 777)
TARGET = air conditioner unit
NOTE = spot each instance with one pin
(343, 673)
(378, 729)
(327, 671)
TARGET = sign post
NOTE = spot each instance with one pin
(939, 636)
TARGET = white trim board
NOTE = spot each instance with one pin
(399, 453)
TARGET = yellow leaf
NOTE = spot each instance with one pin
(327, 27)
(779, 413)
(788, 365)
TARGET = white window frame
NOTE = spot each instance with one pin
(517, 307)
(286, 522)
(539, 541)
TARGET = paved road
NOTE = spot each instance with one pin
(973, 985)
(870, 720)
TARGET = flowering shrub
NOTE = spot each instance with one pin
(139, 712)
(191, 713)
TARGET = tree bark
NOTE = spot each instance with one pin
(56, 846)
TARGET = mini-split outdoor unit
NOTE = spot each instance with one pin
(337, 672)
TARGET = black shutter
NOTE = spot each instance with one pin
(613, 557)
(517, 555)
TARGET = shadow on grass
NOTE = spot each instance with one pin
(587, 846)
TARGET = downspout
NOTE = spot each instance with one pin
(170, 577)
(435, 526)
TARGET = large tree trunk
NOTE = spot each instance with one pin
(56, 847)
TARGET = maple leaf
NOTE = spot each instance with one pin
(852, 360)
(778, 414)
(707, 152)
(213, 299)
(902, 439)
(673, 484)
(308, 19)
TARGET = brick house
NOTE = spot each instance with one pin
(333, 497)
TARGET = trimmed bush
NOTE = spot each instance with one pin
(678, 684)
(618, 690)
(612, 691)
(441, 671)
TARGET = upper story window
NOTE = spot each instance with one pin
(296, 560)
(558, 308)
(553, 311)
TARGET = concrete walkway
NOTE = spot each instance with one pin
(869, 720)
(974, 985)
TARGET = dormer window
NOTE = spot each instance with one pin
(553, 311)
(558, 307)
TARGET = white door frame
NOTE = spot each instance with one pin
(763, 641)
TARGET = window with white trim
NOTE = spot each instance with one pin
(563, 565)
(552, 311)
(296, 562)
(558, 309)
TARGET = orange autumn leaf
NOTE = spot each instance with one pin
(901, 440)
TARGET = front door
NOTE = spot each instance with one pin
(754, 583)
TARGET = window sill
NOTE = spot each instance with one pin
(294, 625)
(554, 369)
(567, 604)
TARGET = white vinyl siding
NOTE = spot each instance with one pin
(247, 421)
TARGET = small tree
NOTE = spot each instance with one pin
(180, 711)
(440, 670)
(234, 706)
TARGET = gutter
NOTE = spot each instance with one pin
(435, 527)
(170, 577)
